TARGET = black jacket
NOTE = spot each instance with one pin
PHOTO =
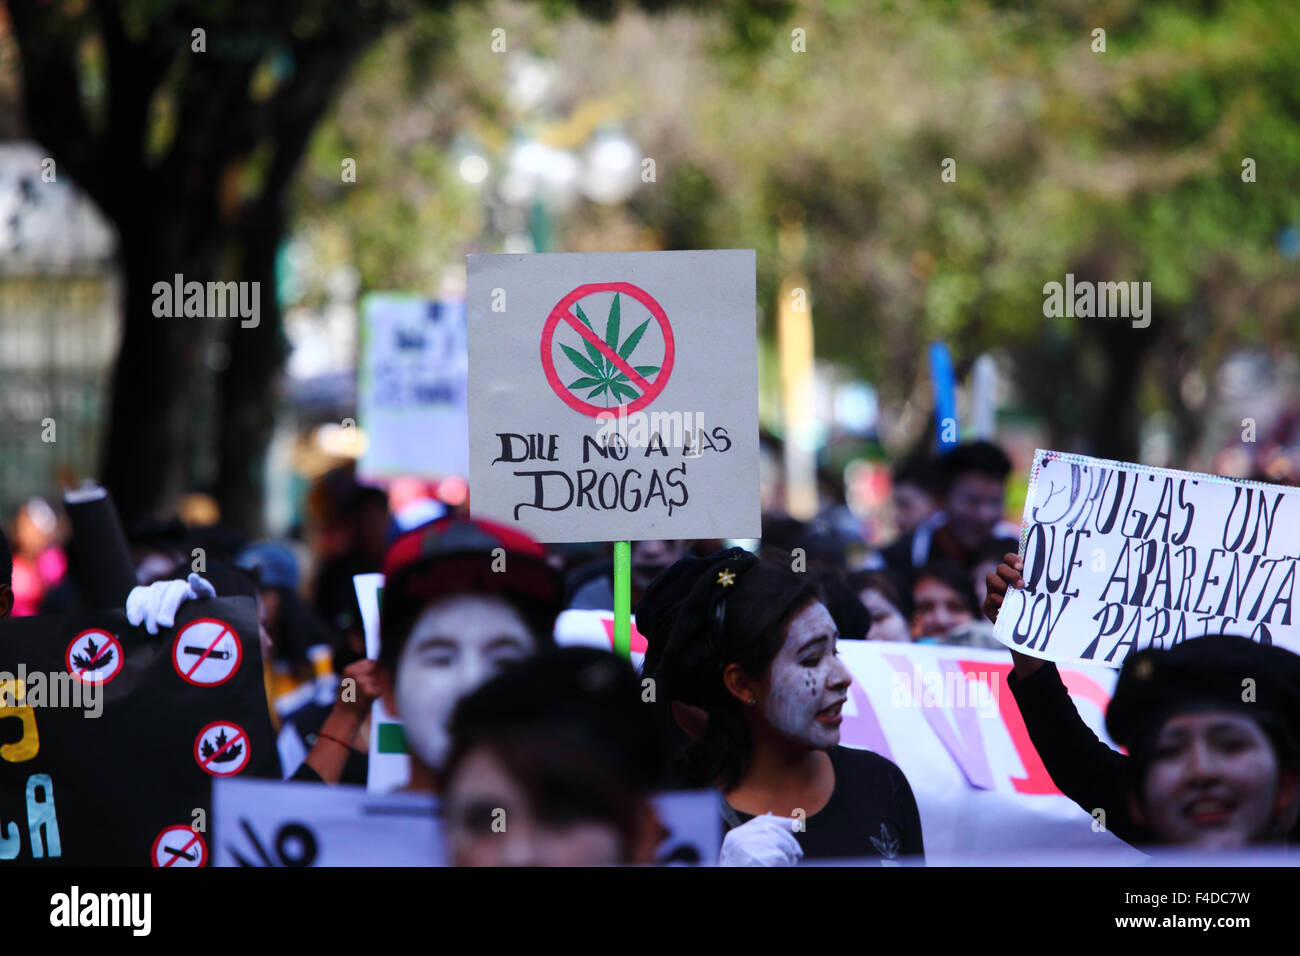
(1079, 763)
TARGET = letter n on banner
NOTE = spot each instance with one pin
(1037, 780)
(965, 745)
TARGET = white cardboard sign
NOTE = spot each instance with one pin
(945, 716)
(614, 396)
(284, 823)
(274, 823)
(411, 388)
(389, 765)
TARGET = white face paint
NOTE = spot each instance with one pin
(458, 643)
(807, 683)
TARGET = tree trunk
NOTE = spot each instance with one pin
(1114, 418)
(247, 394)
(148, 440)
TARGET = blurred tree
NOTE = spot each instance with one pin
(1118, 165)
(186, 121)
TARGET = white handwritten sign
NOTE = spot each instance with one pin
(411, 388)
(1119, 557)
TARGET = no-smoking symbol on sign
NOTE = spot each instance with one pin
(595, 367)
(206, 652)
(179, 846)
(222, 748)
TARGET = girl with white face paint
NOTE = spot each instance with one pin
(745, 642)
(1210, 766)
(805, 687)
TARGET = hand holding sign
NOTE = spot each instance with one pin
(156, 605)
(1006, 576)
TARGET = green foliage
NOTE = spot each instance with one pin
(1122, 165)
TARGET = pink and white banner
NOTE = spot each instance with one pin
(946, 716)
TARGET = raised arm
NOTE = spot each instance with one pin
(1081, 766)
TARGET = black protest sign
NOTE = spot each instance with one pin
(110, 737)
(1119, 557)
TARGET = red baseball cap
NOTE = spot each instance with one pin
(454, 555)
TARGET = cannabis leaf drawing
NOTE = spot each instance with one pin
(600, 374)
(225, 757)
(887, 845)
(94, 661)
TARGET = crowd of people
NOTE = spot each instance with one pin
(741, 653)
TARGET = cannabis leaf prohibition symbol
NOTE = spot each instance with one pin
(222, 756)
(93, 660)
(600, 374)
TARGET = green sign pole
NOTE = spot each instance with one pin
(623, 599)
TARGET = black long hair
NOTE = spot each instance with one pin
(744, 623)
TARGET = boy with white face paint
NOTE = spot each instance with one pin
(563, 747)
(745, 644)
(462, 601)
(458, 642)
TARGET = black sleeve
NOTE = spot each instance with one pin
(909, 815)
(1082, 767)
(100, 554)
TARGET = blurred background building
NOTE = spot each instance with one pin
(59, 324)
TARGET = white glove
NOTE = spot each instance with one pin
(766, 840)
(158, 603)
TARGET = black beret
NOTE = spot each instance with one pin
(666, 592)
(1208, 671)
(666, 596)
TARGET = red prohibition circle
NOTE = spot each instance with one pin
(248, 750)
(562, 309)
(239, 652)
(198, 837)
(114, 669)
